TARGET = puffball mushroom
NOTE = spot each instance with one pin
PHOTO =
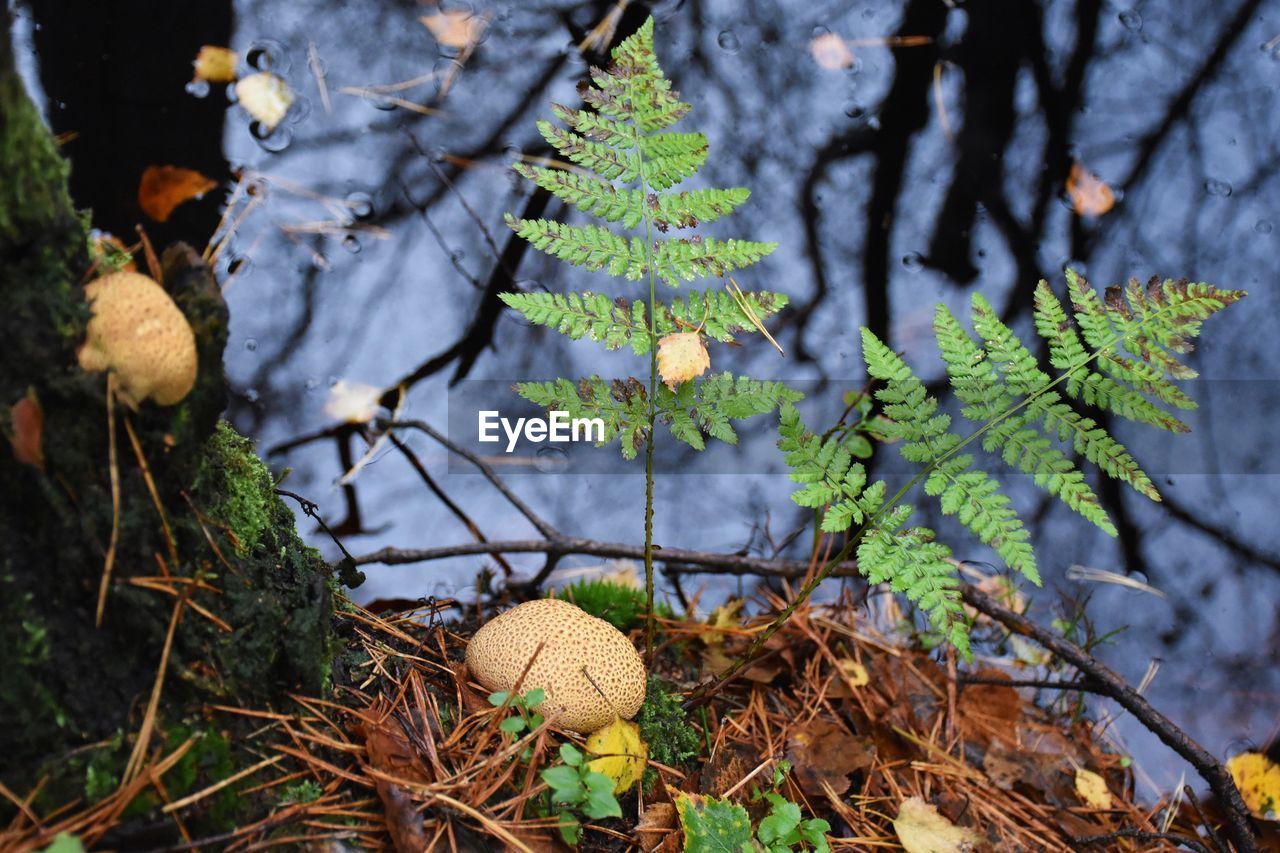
(588, 669)
(141, 336)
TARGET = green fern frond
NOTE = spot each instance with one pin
(666, 171)
(687, 209)
(907, 558)
(1154, 324)
(591, 246)
(596, 157)
(622, 404)
(590, 195)
(595, 126)
(969, 494)
(709, 405)
(705, 257)
(620, 322)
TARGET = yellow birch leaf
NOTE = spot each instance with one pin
(352, 402)
(265, 97)
(216, 64)
(1258, 779)
(1092, 789)
(621, 753)
(681, 357)
(853, 673)
(922, 830)
(1090, 195)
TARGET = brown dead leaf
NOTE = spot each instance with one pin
(658, 819)
(831, 52)
(27, 419)
(727, 767)
(389, 750)
(1092, 789)
(163, 188)
(1090, 195)
(452, 28)
(216, 64)
(681, 357)
(821, 751)
(989, 711)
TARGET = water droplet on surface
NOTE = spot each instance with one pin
(251, 394)
(1218, 188)
(251, 344)
(728, 41)
(913, 261)
(198, 88)
(874, 122)
(457, 256)
(1262, 226)
(855, 111)
(360, 204)
(239, 266)
(439, 155)
(268, 55)
(274, 141)
(550, 460)
(312, 384)
(352, 244)
(1131, 20)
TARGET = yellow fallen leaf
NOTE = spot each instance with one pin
(621, 752)
(922, 830)
(163, 188)
(352, 402)
(1258, 779)
(265, 97)
(853, 673)
(216, 64)
(681, 357)
(1090, 195)
(831, 52)
(1092, 789)
(450, 28)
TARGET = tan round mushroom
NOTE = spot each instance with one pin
(141, 336)
(588, 668)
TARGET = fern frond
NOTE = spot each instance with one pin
(718, 314)
(594, 156)
(1152, 323)
(907, 558)
(687, 209)
(595, 126)
(661, 173)
(590, 195)
(622, 404)
(710, 404)
(705, 257)
(591, 246)
(970, 495)
(653, 104)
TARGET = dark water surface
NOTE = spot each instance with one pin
(881, 208)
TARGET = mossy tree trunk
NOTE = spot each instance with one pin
(65, 683)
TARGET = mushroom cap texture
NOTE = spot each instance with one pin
(578, 645)
(140, 335)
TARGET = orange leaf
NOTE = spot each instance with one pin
(216, 64)
(28, 430)
(165, 187)
(1090, 195)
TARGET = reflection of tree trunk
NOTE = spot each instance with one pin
(115, 73)
(907, 111)
(64, 683)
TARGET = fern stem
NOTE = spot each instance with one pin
(807, 590)
(649, 624)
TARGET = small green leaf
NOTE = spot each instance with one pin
(570, 754)
(570, 828)
(512, 725)
(601, 804)
(712, 825)
(499, 698)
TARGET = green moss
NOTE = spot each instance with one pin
(241, 485)
(665, 727)
(618, 604)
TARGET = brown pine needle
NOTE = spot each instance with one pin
(113, 468)
(218, 786)
(938, 103)
(738, 297)
(151, 488)
(136, 758)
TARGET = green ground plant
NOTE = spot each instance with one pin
(574, 789)
(626, 163)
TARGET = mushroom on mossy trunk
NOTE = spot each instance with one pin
(589, 670)
(140, 335)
